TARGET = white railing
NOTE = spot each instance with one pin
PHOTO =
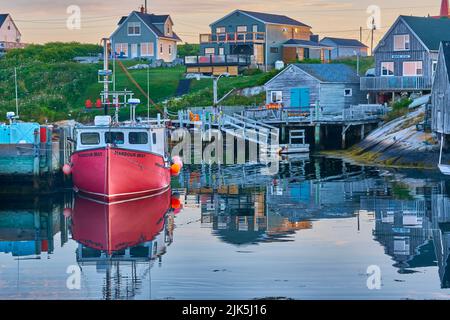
(396, 83)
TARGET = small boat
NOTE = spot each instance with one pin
(113, 160)
(445, 169)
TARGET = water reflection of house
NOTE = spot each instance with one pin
(441, 235)
(122, 249)
(404, 229)
(27, 228)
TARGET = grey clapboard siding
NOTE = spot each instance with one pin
(440, 98)
(329, 95)
(418, 52)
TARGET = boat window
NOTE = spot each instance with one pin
(114, 137)
(138, 137)
(154, 137)
(90, 138)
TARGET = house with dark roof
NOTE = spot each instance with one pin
(406, 57)
(440, 94)
(10, 36)
(144, 35)
(259, 39)
(343, 48)
(303, 86)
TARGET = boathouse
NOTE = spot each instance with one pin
(440, 96)
(332, 87)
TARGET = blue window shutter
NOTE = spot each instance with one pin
(304, 98)
(295, 98)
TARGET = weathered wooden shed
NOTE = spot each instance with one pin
(332, 86)
(440, 96)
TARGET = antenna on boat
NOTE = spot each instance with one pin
(106, 74)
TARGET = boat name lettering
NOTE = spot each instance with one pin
(90, 154)
(129, 154)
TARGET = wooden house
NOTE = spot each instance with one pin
(144, 35)
(10, 36)
(343, 48)
(440, 96)
(243, 38)
(332, 86)
(406, 57)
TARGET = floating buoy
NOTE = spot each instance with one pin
(176, 203)
(177, 160)
(98, 104)
(67, 212)
(175, 169)
(67, 169)
(88, 104)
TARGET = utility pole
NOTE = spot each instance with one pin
(360, 34)
(146, 6)
(372, 31)
(17, 96)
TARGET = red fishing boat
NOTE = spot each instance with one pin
(116, 160)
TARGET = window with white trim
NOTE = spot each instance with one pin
(412, 68)
(401, 42)
(387, 69)
(210, 51)
(121, 49)
(348, 92)
(147, 49)
(434, 65)
(241, 29)
(134, 28)
(255, 28)
(220, 30)
(276, 96)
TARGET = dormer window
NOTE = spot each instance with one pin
(134, 28)
(401, 42)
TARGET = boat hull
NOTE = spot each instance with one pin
(114, 174)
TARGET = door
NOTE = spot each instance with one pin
(258, 52)
(300, 98)
(134, 50)
(221, 51)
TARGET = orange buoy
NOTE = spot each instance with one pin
(175, 169)
(176, 203)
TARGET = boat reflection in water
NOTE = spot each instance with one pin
(122, 240)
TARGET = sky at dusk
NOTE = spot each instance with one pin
(42, 21)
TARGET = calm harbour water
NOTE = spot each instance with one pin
(309, 232)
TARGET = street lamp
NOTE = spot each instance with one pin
(215, 88)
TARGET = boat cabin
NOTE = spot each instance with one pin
(147, 138)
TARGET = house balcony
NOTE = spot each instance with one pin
(222, 60)
(395, 83)
(233, 37)
(4, 45)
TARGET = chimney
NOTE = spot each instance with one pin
(143, 9)
(444, 9)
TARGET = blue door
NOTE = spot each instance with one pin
(300, 98)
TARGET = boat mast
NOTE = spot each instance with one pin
(106, 73)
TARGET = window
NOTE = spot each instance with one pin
(387, 69)
(276, 96)
(401, 42)
(412, 68)
(170, 49)
(274, 50)
(122, 49)
(168, 30)
(434, 67)
(147, 49)
(348, 92)
(255, 28)
(114, 137)
(138, 138)
(221, 51)
(154, 137)
(134, 28)
(220, 30)
(90, 139)
(209, 51)
(161, 49)
(241, 29)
